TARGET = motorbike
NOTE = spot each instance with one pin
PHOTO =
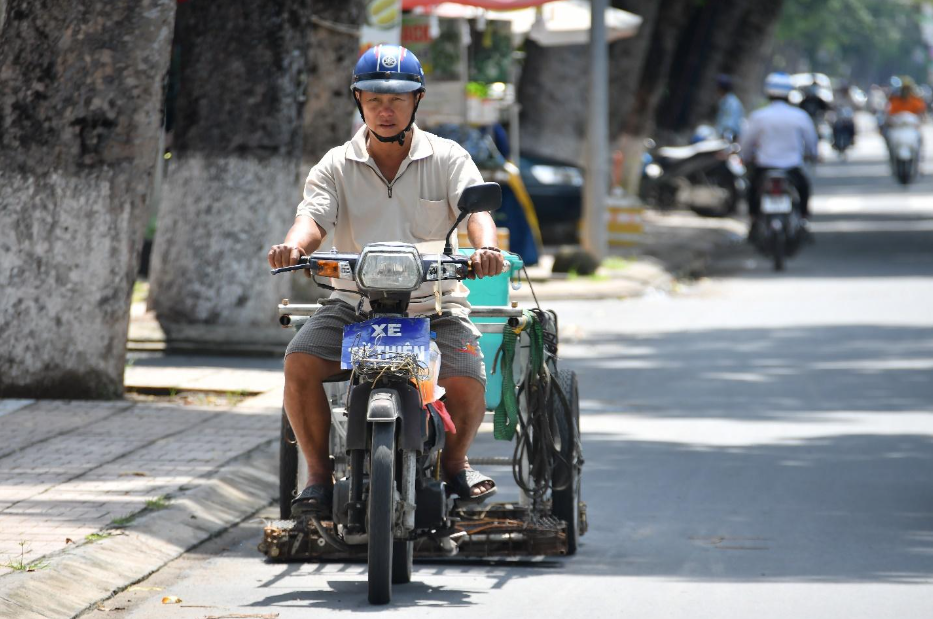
(707, 176)
(904, 142)
(843, 130)
(779, 229)
(389, 499)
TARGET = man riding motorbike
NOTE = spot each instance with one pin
(779, 137)
(906, 99)
(390, 182)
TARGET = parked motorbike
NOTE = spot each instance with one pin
(707, 177)
(904, 142)
(779, 229)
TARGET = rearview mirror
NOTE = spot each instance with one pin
(479, 198)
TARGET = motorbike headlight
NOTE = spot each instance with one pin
(557, 175)
(653, 170)
(389, 266)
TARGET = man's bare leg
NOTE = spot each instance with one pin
(309, 412)
(466, 403)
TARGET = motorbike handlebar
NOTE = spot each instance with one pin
(343, 266)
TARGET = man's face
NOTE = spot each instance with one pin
(387, 114)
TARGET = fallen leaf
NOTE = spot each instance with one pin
(68, 540)
(171, 599)
(134, 474)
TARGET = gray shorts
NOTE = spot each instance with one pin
(457, 339)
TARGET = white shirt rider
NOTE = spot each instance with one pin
(779, 136)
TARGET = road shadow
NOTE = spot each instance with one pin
(793, 454)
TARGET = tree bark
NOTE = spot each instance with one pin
(553, 92)
(334, 50)
(80, 96)
(664, 23)
(236, 171)
(748, 58)
(554, 84)
(700, 55)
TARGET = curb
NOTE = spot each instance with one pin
(80, 577)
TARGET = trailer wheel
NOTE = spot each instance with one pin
(568, 475)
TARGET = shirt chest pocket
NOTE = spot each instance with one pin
(431, 220)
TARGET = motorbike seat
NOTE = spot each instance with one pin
(680, 153)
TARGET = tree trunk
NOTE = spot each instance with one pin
(692, 91)
(334, 50)
(554, 90)
(554, 87)
(664, 24)
(236, 172)
(747, 59)
(80, 96)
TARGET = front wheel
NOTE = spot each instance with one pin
(904, 171)
(381, 512)
(778, 249)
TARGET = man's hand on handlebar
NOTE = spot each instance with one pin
(487, 262)
(285, 255)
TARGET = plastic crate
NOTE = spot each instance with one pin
(492, 291)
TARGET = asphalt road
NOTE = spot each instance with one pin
(757, 445)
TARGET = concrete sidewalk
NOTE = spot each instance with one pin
(94, 496)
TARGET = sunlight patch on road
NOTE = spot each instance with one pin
(797, 427)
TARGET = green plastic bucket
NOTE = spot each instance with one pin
(492, 291)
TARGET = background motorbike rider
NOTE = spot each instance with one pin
(390, 182)
(779, 136)
(843, 116)
(906, 99)
(730, 114)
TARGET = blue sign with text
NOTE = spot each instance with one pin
(387, 335)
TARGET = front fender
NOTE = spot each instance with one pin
(384, 406)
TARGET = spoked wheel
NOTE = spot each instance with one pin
(568, 476)
(288, 468)
(381, 513)
(778, 249)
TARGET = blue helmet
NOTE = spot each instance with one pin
(388, 69)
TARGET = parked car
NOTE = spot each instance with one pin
(555, 187)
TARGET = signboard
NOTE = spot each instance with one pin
(439, 46)
(382, 23)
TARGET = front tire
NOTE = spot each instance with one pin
(778, 249)
(381, 513)
(904, 171)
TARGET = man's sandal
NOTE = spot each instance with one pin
(315, 500)
(462, 485)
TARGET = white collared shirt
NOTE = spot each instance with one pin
(779, 136)
(347, 196)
